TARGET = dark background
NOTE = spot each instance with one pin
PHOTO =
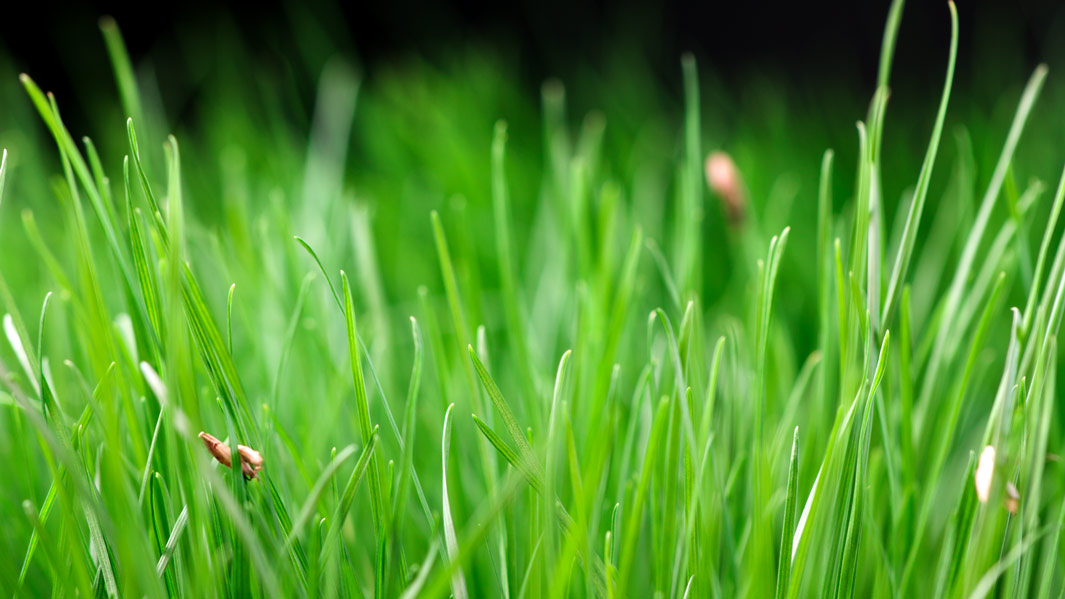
(799, 43)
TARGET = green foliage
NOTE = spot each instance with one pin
(652, 461)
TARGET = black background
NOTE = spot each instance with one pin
(736, 36)
(799, 44)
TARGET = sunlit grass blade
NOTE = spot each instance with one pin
(458, 581)
(510, 455)
(517, 435)
(3, 173)
(788, 529)
(348, 496)
(310, 505)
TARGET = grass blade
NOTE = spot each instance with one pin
(458, 582)
(788, 531)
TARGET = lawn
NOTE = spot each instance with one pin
(419, 334)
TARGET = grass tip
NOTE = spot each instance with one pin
(553, 88)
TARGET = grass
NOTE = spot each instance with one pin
(578, 380)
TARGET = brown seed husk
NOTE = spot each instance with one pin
(251, 461)
(724, 179)
(1012, 499)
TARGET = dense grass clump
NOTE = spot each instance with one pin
(586, 378)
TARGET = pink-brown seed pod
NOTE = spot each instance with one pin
(250, 456)
(1012, 501)
(724, 180)
(251, 461)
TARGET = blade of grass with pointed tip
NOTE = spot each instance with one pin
(362, 406)
(913, 217)
(447, 270)
(369, 363)
(1044, 246)
(946, 431)
(517, 436)
(406, 465)
(509, 454)
(973, 241)
(516, 324)
(122, 68)
(690, 258)
(887, 46)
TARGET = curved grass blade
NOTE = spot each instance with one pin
(311, 502)
(458, 582)
(517, 436)
(362, 404)
(509, 454)
(913, 217)
(172, 542)
(348, 496)
(3, 173)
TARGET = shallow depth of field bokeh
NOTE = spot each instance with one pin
(494, 340)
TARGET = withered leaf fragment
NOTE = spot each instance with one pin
(251, 461)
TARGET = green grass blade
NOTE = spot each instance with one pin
(1044, 246)
(913, 217)
(509, 454)
(348, 496)
(887, 46)
(311, 503)
(516, 325)
(123, 69)
(788, 530)
(458, 581)
(517, 435)
(362, 404)
(3, 173)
